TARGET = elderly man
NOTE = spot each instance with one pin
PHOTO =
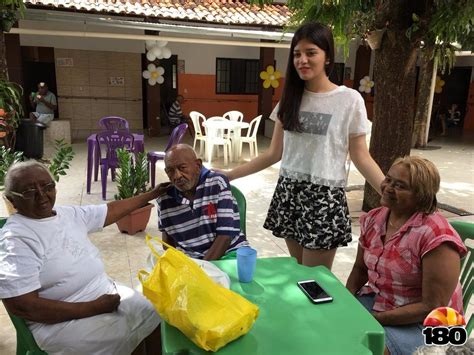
(52, 275)
(198, 214)
(44, 103)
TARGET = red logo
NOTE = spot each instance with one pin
(210, 210)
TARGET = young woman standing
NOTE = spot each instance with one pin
(316, 124)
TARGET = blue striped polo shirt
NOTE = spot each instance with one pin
(194, 225)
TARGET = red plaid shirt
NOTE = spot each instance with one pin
(394, 269)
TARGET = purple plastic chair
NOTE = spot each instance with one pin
(176, 137)
(114, 123)
(112, 141)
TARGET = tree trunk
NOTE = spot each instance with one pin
(394, 75)
(425, 98)
(3, 57)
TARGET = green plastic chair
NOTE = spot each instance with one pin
(466, 232)
(25, 342)
(242, 203)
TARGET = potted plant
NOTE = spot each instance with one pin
(132, 179)
(9, 12)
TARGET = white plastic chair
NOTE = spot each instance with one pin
(251, 137)
(196, 118)
(234, 116)
(217, 136)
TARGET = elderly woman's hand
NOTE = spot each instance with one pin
(162, 188)
(106, 303)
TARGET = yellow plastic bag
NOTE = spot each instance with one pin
(185, 297)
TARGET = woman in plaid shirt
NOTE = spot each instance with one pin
(408, 256)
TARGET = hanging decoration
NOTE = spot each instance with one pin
(270, 77)
(157, 50)
(154, 74)
(439, 85)
(366, 84)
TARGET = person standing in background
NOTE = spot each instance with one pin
(44, 104)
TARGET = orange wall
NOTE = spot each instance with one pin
(200, 95)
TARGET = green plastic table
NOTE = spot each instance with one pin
(288, 322)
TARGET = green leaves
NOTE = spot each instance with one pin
(8, 157)
(132, 174)
(10, 100)
(10, 10)
(62, 157)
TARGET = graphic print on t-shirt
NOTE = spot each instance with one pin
(315, 123)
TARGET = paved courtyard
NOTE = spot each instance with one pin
(124, 255)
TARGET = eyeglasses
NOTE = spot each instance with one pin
(32, 193)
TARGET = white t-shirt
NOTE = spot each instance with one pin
(53, 255)
(318, 153)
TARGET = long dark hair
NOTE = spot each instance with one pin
(320, 35)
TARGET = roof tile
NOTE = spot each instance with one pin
(213, 11)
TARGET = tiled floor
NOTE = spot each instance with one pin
(124, 255)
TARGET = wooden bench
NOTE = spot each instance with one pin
(58, 129)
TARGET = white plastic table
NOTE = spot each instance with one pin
(235, 129)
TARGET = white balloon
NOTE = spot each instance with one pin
(151, 67)
(146, 74)
(149, 44)
(156, 51)
(160, 80)
(152, 82)
(160, 70)
(166, 52)
(150, 56)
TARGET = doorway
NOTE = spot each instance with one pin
(456, 92)
(158, 99)
(38, 66)
(169, 88)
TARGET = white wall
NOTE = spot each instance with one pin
(201, 58)
(281, 57)
(99, 44)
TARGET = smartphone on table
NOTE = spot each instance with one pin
(314, 291)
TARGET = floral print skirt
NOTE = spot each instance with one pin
(315, 216)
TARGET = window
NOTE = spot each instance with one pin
(237, 76)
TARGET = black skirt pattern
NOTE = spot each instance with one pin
(315, 216)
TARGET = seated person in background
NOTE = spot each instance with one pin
(454, 115)
(52, 276)
(198, 215)
(175, 113)
(44, 103)
(408, 255)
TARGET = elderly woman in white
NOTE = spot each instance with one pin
(52, 275)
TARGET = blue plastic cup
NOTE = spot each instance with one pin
(246, 261)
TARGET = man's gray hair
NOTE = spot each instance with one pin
(17, 168)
